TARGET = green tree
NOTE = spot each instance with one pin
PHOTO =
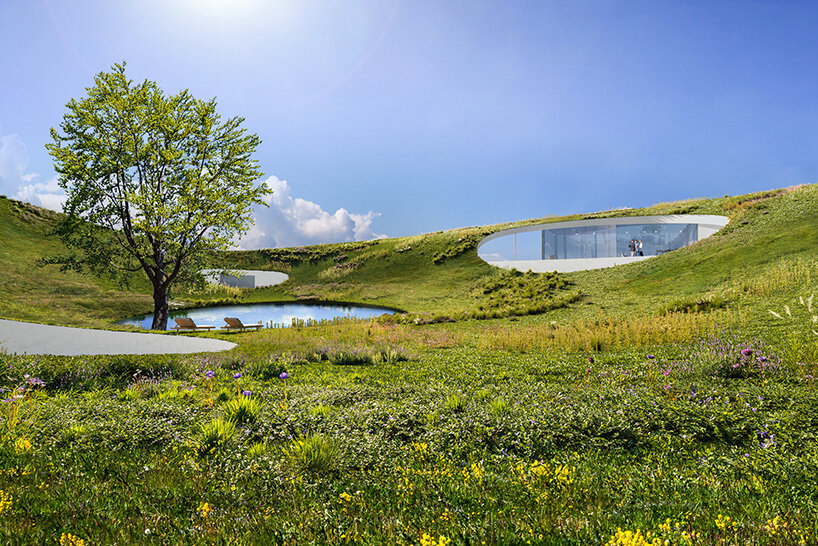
(153, 181)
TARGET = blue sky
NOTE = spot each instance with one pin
(403, 117)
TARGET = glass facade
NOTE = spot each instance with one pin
(599, 241)
(608, 241)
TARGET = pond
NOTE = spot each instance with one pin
(265, 313)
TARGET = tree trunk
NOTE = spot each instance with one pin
(160, 307)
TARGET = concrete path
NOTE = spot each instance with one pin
(43, 339)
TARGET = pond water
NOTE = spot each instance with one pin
(265, 313)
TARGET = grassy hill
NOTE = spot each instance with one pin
(772, 239)
(44, 294)
(438, 276)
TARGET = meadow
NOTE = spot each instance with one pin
(671, 401)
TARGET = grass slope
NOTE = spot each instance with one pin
(44, 294)
(439, 274)
(767, 230)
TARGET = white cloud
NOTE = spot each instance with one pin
(17, 183)
(48, 195)
(292, 221)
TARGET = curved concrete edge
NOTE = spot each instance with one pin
(44, 339)
(708, 225)
(567, 265)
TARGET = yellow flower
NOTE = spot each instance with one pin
(22, 445)
(204, 509)
(428, 540)
(67, 539)
(631, 538)
(775, 525)
(725, 522)
(346, 496)
(565, 475)
(538, 469)
(5, 501)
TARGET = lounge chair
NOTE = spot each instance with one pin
(188, 324)
(235, 324)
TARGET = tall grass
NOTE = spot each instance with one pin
(780, 275)
(607, 333)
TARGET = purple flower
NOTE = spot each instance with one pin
(284, 375)
(650, 357)
(237, 375)
(210, 374)
(762, 359)
(590, 360)
(247, 393)
(746, 352)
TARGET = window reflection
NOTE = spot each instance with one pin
(600, 241)
(609, 241)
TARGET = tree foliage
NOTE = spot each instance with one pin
(152, 180)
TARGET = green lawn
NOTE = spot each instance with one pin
(661, 398)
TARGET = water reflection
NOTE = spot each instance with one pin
(277, 313)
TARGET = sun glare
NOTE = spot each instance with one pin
(225, 8)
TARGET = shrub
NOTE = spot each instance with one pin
(499, 407)
(214, 435)
(699, 304)
(482, 394)
(257, 449)
(267, 369)
(350, 358)
(321, 410)
(456, 402)
(313, 454)
(224, 395)
(241, 410)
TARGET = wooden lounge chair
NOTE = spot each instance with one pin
(235, 324)
(184, 323)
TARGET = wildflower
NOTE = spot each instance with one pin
(775, 525)
(746, 352)
(204, 509)
(631, 538)
(5, 501)
(724, 522)
(428, 540)
(590, 360)
(22, 445)
(650, 357)
(247, 393)
(210, 374)
(237, 375)
(67, 539)
(345, 497)
(284, 375)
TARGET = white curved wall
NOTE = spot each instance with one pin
(706, 225)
